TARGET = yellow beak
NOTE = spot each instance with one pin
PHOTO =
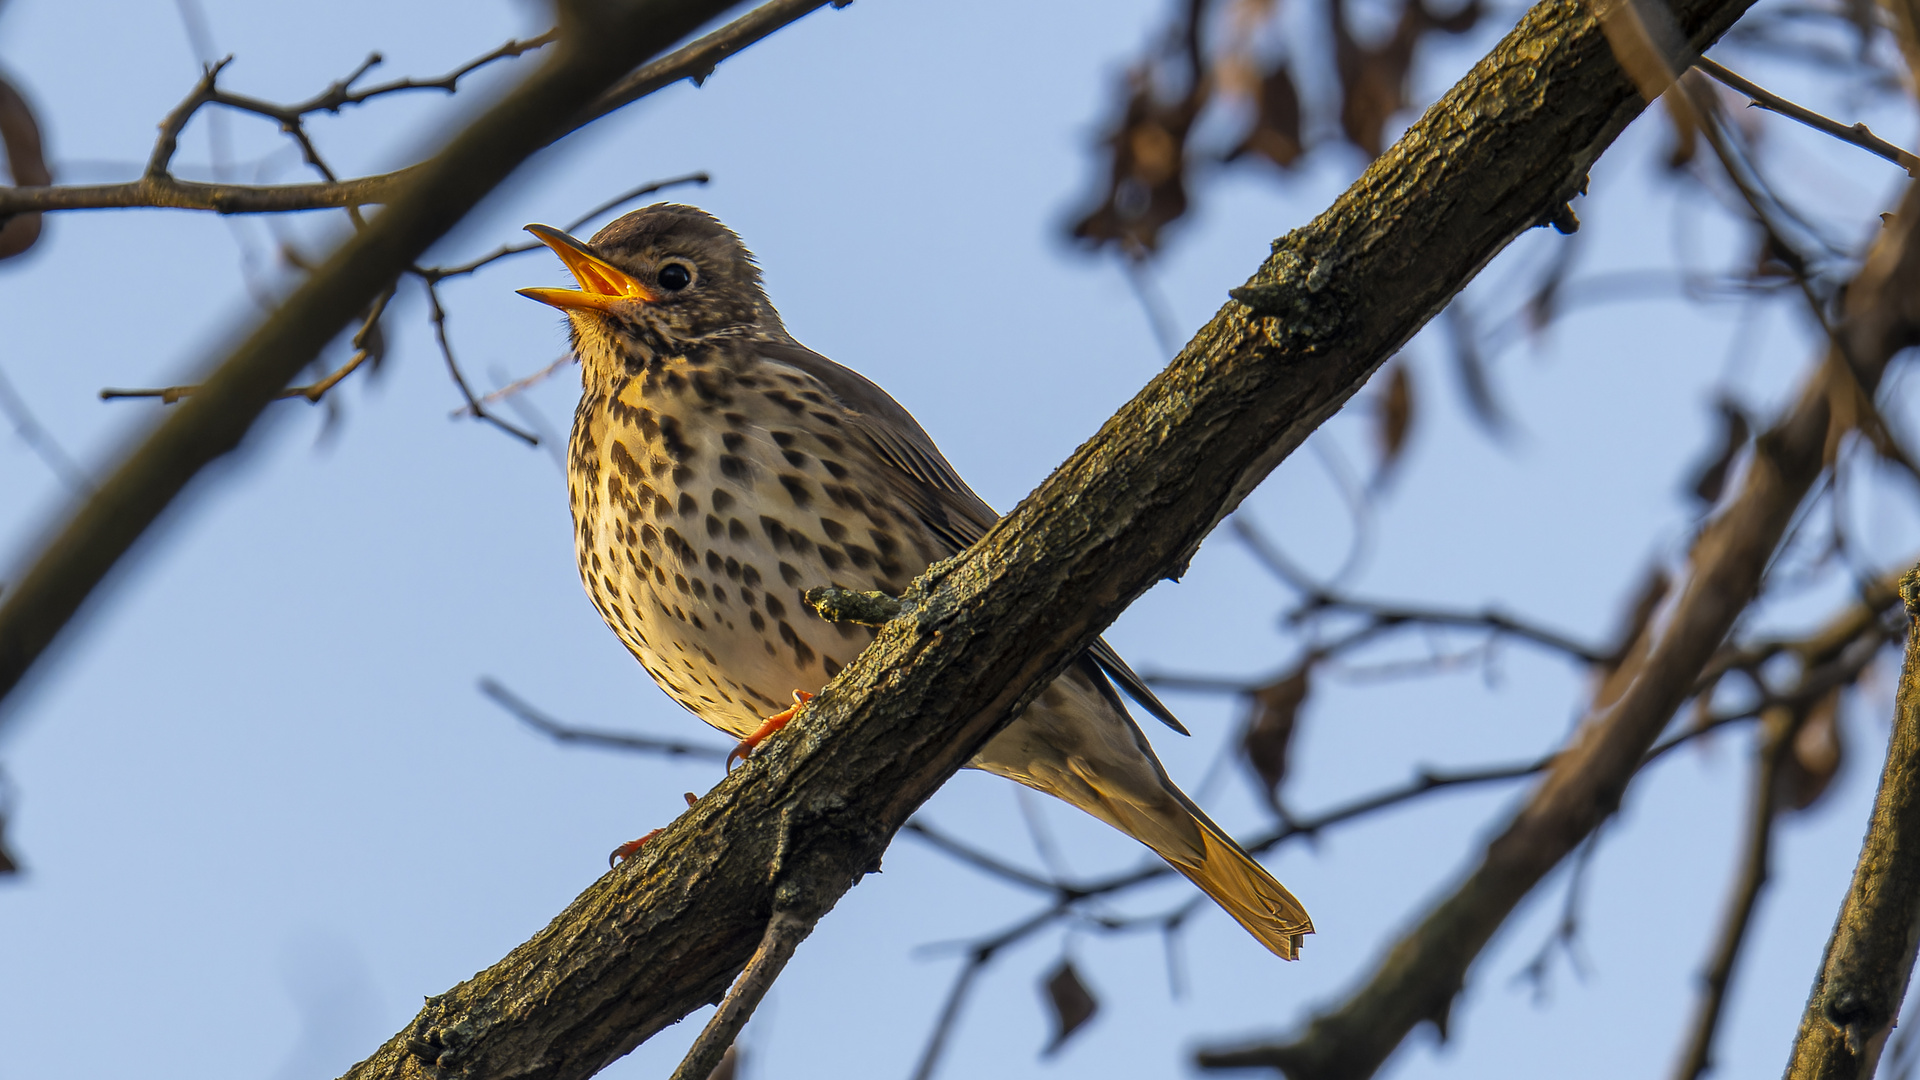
(602, 284)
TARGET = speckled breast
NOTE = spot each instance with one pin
(709, 493)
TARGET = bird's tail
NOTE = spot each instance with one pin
(1242, 887)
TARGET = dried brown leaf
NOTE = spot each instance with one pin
(1711, 479)
(1275, 713)
(1073, 1004)
(1373, 80)
(1146, 183)
(1276, 124)
(26, 164)
(1815, 757)
(1395, 416)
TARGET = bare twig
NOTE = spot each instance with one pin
(607, 740)
(473, 408)
(515, 387)
(1855, 134)
(40, 440)
(785, 930)
(1862, 977)
(694, 61)
(365, 345)
(437, 274)
(1776, 743)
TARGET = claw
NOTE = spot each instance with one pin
(629, 849)
(767, 727)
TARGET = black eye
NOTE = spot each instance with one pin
(674, 277)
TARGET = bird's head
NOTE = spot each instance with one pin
(654, 281)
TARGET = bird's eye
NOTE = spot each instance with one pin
(674, 277)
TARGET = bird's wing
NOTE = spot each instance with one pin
(928, 483)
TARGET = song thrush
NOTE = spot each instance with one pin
(718, 469)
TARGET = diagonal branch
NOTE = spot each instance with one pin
(1857, 991)
(600, 42)
(1418, 978)
(982, 633)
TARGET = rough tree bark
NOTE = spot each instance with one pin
(788, 834)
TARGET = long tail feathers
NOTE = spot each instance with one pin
(1245, 890)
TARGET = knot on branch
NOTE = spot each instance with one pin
(848, 606)
(1910, 592)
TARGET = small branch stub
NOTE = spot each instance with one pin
(847, 606)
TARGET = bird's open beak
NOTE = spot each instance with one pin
(602, 284)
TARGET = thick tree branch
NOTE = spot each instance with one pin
(161, 190)
(980, 634)
(1420, 975)
(600, 42)
(1863, 976)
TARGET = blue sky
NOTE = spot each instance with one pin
(264, 809)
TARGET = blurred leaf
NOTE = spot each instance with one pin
(1146, 183)
(1544, 305)
(1686, 129)
(1815, 757)
(26, 164)
(1373, 81)
(8, 864)
(1073, 1004)
(1276, 123)
(1276, 709)
(1472, 369)
(1395, 416)
(1735, 430)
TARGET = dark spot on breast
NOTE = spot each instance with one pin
(831, 665)
(788, 574)
(832, 557)
(596, 562)
(780, 398)
(886, 545)
(649, 536)
(830, 441)
(732, 440)
(720, 596)
(775, 531)
(790, 378)
(624, 461)
(699, 589)
(827, 418)
(749, 576)
(861, 557)
(714, 528)
(646, 561)
(795, 458)
(680, 582)
(784, 438)
(714, 562)
(735, 419)
(835, 531)
(733, 568)
(679, 546)
(838, 470)
(675, 381)
(774, 607)
(721, 501)
(800, 650)
(661, 507)
(758, 622)
(688, 505)
(813, 396)
(737, 531)
(796, 489)
(659, 466)
(682, 475)
(735, 468)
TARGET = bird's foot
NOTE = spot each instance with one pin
(629, 849)
(632, 847)
(767, 727)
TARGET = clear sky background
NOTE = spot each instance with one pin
(264, 810)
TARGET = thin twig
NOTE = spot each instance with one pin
(517, 386)
(608, 740)
(1776, 744)
(950, 1013)
(1854, 134)
(438, 316)
(40, 440)
(364, 347)
(440, 273)
(784, 932)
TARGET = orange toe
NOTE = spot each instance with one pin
(767, 727)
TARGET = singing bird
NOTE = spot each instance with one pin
(718, 469)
